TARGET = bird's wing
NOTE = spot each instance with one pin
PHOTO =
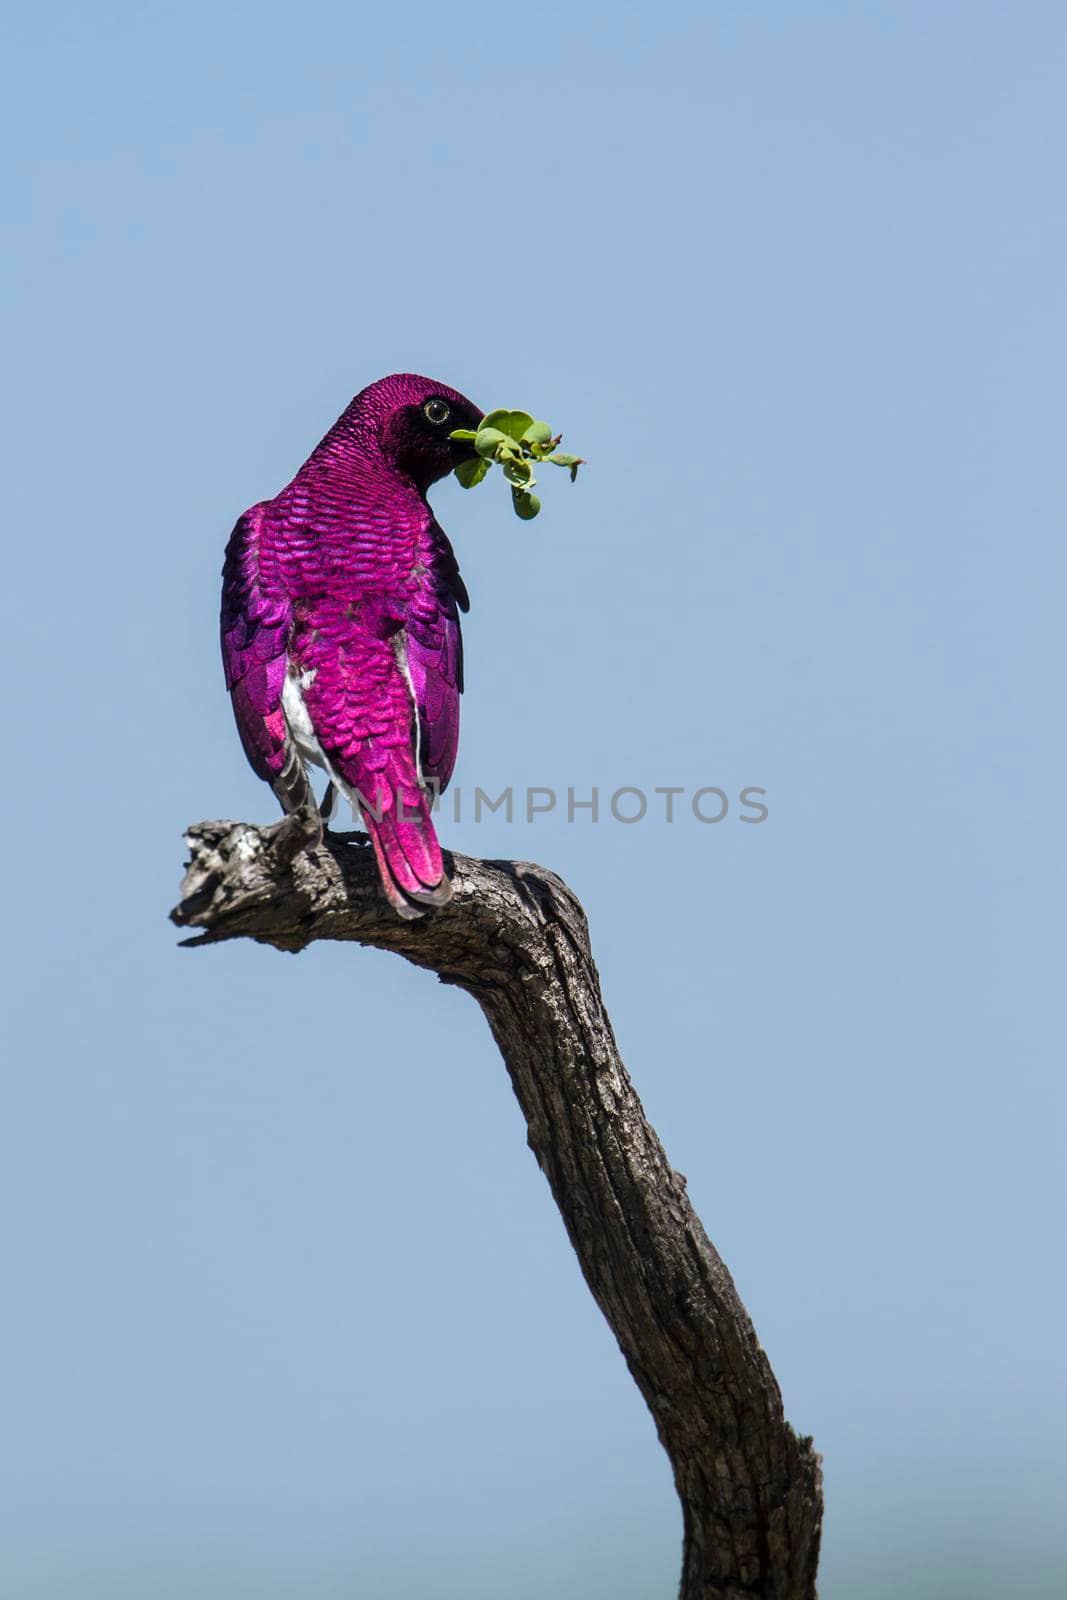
(434, 650)
(255, 627)
(355, 687)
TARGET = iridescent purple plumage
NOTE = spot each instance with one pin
(340, 625)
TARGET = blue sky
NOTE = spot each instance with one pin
(288, 1309)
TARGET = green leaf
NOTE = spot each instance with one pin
(537, 433)
(519, 471)
(526, 505)
(513, 423)
(487, 441)
(470, 473)
(466, 434)
(561, 459)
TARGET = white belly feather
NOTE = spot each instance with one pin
(298, 719)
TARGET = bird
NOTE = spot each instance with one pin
(340, 627)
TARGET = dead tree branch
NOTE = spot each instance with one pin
(515, 938)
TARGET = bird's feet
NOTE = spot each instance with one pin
(328, 803)
(300, 830)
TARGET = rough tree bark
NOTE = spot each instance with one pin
(515, 937)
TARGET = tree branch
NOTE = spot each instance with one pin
(515, 937)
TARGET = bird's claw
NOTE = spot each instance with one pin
(328, 803)
(300, 830)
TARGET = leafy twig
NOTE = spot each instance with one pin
(516, 441)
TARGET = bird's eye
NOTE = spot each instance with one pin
(436, 411)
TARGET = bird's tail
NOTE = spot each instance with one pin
(409, 856)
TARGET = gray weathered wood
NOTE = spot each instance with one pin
(515, 937)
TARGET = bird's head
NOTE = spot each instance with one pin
(413, 417)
